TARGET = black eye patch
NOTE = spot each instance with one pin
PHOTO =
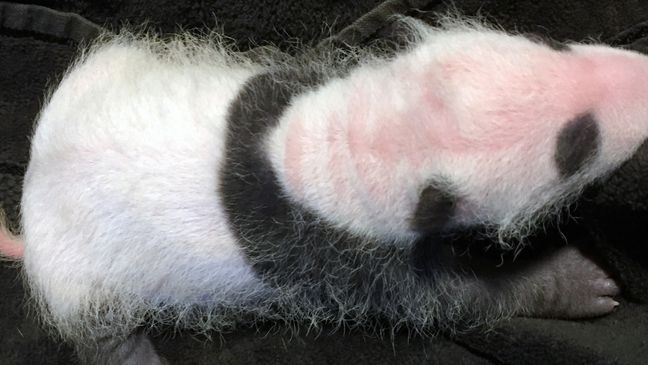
(577, 143)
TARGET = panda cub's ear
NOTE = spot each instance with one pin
(577, 144)
(434, 210)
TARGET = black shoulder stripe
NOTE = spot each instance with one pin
(323, 271)
(265, 222)
(285, 243)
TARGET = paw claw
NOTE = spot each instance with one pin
(604, 305)
(607, 287)
(574, 286)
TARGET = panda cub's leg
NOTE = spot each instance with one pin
(564, 283)
(568, 284)
(136, 349)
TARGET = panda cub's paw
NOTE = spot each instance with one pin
(571, 285)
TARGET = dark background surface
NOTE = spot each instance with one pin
(30, 62)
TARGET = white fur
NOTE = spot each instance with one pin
(121, 198)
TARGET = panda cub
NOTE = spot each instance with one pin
(179, 182)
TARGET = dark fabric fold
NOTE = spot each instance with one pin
(43, 20)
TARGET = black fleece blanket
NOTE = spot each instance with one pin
(35, 50)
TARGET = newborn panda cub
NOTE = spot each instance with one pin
(181, 183)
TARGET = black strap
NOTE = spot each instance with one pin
(42, 20)
(369, 25)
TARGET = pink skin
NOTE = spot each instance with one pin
(294, 151)
(624, 92)
(10, 248)
(403, 119)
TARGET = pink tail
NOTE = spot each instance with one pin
(11, 247)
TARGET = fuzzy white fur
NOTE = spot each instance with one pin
(121, 196)
(122, 218)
